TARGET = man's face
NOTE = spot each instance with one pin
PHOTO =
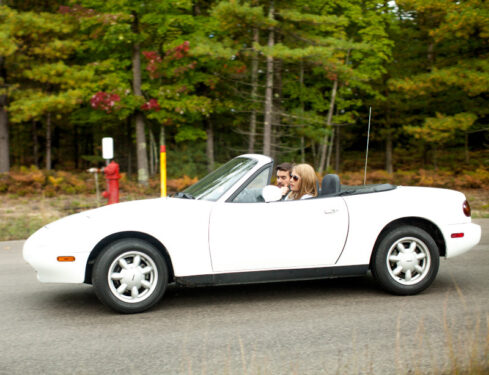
(283, 178)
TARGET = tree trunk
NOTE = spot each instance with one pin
(196, 8)
(329, 121)
(142, 155)
(314, 155)
(388, 152)
(435, 156)
(301, 85)
(48, 142)
(141, 152)
(128, 142)
(254, 90)
(267, 131)
(4, 139)
(35, 142)
(330, 149)
(76, 147)
(388, 139)
(337, 146)
(430, 55)
(276, 106)
(210, 145)
(153, 152)
(337, 141)
(424, 150)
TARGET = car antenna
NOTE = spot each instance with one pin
(368, 138)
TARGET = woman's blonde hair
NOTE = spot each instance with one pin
(308, 181)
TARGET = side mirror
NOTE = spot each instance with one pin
(271, 193)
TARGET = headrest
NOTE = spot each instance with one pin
(330, 184)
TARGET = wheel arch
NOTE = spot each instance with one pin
(97, 250)
(425, 224)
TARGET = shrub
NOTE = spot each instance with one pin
(26, 181)
(181, 183)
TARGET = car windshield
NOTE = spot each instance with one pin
(215, 184)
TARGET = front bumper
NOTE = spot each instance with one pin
(49, 270)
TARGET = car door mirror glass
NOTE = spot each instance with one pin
(271, 193)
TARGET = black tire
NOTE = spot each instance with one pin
(136, 264)
(406, 261)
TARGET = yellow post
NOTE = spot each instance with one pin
(163, 170)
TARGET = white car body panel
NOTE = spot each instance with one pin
(206, 237)
(457, 246)
(371, 213)
(277, 235)
(181, 225)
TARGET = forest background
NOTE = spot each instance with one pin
(212, 79)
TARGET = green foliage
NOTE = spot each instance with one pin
(423, 66)
(455, 80)
(188, 133)
(441, 129)
(36, 51)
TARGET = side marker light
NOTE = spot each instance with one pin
(457, 235)
(66, 259)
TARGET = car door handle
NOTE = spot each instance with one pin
(331, 211)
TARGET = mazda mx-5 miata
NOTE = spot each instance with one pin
(228, 227)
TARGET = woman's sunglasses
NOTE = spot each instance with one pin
(295, 178)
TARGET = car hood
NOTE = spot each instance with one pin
(83, 230)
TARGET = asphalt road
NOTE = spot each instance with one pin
(319, 327)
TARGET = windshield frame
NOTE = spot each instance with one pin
(252, 163)
(245, 184)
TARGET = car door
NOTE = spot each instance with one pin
(277, 235)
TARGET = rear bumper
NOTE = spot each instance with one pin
(459, 245)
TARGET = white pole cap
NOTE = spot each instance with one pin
(108, 148)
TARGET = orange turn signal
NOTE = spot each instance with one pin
(66, 259)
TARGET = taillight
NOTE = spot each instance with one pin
(466, 208)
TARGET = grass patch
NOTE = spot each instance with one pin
(21, 227)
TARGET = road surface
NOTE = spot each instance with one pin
(317, 327)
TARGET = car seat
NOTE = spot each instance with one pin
(330, 185)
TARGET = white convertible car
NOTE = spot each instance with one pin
(228, 228)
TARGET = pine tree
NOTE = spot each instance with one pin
(42, 85)
(453, 76)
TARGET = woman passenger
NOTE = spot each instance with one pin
(303, 182)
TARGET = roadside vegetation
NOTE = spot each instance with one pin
(31, 198)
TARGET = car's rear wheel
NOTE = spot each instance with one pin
(130, 276)
(406, 261)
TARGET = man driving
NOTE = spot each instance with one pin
(283, 178)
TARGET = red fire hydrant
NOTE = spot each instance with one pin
(112, 175)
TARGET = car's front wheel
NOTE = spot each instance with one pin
(406, 261)
(130, 276)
